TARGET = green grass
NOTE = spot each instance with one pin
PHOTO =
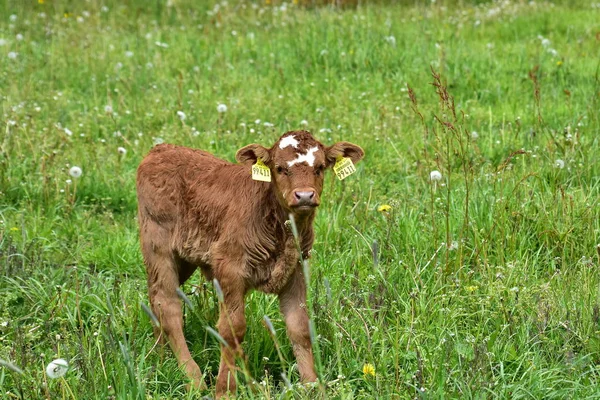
(485, 284)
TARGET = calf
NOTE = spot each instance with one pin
(198, 211)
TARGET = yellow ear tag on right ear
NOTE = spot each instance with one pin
(343, 168)
(260, 172)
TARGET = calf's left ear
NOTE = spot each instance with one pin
(251, 153)
(343, 149)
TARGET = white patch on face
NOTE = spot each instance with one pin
(308, 158)
(288, 141)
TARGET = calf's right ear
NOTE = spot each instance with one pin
(251, 153)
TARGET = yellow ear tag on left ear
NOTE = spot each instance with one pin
(260, 172)
(343, 168)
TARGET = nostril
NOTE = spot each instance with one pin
(311, 195)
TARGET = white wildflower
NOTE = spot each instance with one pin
(391, 40)
(181, 115)
(221, 108)
(435, 176)
(2, 42)
(12, 55)
(304, 122)
(545, 42)
(19, 37)
(13, 18)
(122, 150)
(57, 368)
(108, 109)
(68, 132)
(474, 135)
(129, 54)
(75, 172)
(560, 164)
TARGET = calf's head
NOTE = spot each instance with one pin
(297, 162)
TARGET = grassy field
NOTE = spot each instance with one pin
(483, 284)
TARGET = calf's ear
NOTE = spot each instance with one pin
(344, 149)
(251, 153)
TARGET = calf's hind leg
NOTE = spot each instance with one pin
(163, 281)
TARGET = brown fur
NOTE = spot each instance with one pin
(196, 210)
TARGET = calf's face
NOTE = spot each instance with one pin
(297, 162)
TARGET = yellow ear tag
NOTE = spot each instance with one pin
(343, 168)
(260, 172)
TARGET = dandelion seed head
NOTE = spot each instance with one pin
(435, 176)
(108, 109)
(560, 164)
(75, 172)
(121, 150)
(12, 55)
(221, 108)
(181, 115)
(57, 368)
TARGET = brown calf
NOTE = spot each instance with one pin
(196, 210)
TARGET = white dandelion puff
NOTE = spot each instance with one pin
(108, 109)
(474, 135)
(68, 132)
(129, 54)
(181, 115)
(435, 176)
(75, 172)
(121, 150)
(221, 108)
(560, 164)
(12, 55)
(304, 122)
(57, 368)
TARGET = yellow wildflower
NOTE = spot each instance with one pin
(368, 369)
(471, 288)
(14, 229)
(384, 208)
(559, 63)
(41, 1)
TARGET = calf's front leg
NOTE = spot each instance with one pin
(292, 302)
(232, 328)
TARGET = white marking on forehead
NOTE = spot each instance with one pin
(308, 158)
(288, 141)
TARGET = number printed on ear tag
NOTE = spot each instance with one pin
(260, 172)
(343, 168)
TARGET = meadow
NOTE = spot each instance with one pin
(462, 260)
